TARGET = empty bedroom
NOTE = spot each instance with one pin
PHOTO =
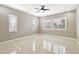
(39, 29)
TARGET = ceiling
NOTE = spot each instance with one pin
(54, 8)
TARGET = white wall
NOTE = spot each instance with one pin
(71, 24)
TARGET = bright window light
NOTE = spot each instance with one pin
(12, 23)
(34, 24)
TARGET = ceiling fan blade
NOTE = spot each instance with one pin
(46, 9)
(42, 6)
(36, 8)
(41, 9)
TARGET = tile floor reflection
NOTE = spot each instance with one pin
(59, 49)
(40, 44)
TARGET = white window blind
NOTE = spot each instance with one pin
(60, 23)
(34, 24)
(12, 23)
(55, 24)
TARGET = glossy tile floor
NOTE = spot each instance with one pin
(40, 44)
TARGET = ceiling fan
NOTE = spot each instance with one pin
(42, 9)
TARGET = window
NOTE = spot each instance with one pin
(12, 23)
(59, 23)
(47, 24)
(54, 24)
(34, 24)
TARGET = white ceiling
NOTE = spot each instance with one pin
(54, 8)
